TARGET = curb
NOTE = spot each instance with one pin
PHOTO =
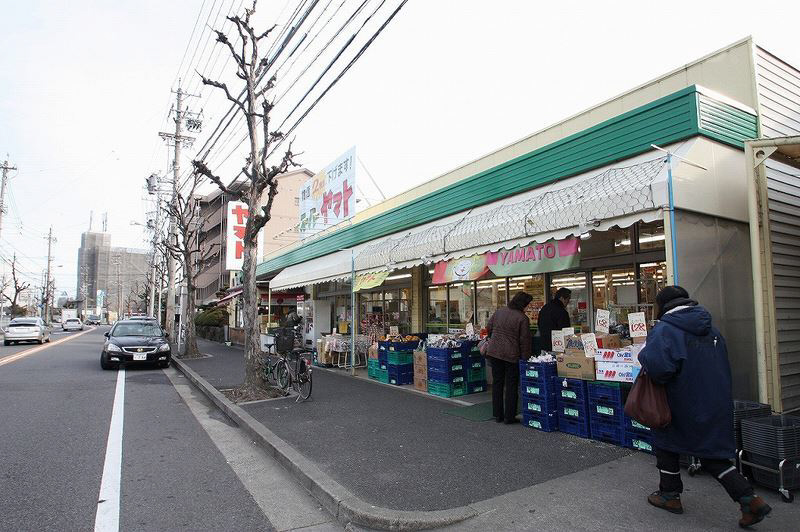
(335, 498)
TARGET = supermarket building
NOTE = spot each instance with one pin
(656, 178)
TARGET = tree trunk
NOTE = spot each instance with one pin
(253, 361)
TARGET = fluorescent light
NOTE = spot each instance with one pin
(401, 276)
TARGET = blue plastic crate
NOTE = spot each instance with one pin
(634, 427)
(404, 347)
(607, 414)
(443, 353)
(571, 389)
(607, 433)
(475, 362)
(452, 364)
(536, 388)
(469, 346)
(573, 426)
(400, 377)
(537, 370)
(446, 376)
(543, 422)
(539, 405)
(640, 442)
(477, 387)
(610, 394)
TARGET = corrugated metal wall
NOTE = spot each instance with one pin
(783, 185)
(778, 96)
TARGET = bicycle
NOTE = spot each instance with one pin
(286, 372)
(276, 373)
(299, 375)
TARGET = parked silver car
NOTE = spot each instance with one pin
(26, 330)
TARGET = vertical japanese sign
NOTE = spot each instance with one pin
(236, 216)
(329, 197)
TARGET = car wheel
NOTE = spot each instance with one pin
(6, 342)
(40, 341)
(105, 364)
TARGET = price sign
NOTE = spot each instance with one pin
(637, 324)
(602, 321)
(470, 329)
(589, 341)
(558, 341)
(568, 331)
(394, 330)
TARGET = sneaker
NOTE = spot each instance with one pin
(666, 500)
(754, 510)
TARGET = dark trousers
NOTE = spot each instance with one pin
(505, 385)
(724, 471)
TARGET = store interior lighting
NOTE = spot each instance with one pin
(642, 240)
(395, 277)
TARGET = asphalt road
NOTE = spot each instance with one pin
(56, 405)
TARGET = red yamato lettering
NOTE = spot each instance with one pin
(550, 250)
(240, 214)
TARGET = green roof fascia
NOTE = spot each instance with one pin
(669, 119)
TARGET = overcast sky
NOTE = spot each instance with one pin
(85, 89)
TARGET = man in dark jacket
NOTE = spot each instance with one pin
(554, 317)
(509, 341)
(686, 354)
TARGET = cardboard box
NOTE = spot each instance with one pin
(420, 358)
(576, 366)
(575, 352)
(421, 370)
(639, 339)
(614, 371)
(608, 341)
(614, 355)
(420, 383)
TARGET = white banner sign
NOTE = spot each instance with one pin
(236, 215)
(637, 324)
(589, 344)
(602, 321)
(558, 341)
(329, 197)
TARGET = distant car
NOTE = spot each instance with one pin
(141, 318)
(26, 330)
(93, 319)
(135, 341)
(72, 324)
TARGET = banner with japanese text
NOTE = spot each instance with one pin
(328, 198)
(365, 281)
(236, 215)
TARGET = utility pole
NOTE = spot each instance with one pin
(6, 167)
(178, 140)
(117, 261)
(47, 291)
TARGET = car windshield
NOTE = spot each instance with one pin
(137, 329)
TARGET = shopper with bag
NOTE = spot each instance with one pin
(688, 356)
(509, 340)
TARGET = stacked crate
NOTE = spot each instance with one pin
(573, 405)
(474, 367)
(539, 404)
(638, 436)
(397, 359)
(606, 412)
(446, 371)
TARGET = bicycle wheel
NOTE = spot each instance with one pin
(304, 386)
(269, 372)
(283, 375)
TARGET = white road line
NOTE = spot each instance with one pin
(107, 518)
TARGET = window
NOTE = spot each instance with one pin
(651, 235)
(460, 305)
(652, 278)
(490, 295)
(615, 291)
(615, 241)
(578, 307)
(534, 286)
(437, 309)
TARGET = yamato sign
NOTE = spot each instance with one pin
(328, 198)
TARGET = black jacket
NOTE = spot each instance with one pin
(552, 317)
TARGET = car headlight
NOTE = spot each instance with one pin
(113, 348)
(163, 348)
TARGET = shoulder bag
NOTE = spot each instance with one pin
(647, 403)
(483, 347)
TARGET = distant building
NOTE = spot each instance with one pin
(113, 272)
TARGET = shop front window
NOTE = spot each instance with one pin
(490, 295)
(533, 285)
(343, 314)
(578, 307)
(437, 309)
(615, 241)
(651, 236)
(615, 290)
(397, 310)
(652, 278)
(371, 315)
(461, 305)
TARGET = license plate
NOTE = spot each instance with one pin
(140, 356)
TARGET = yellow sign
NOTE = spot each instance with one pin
(369, 280)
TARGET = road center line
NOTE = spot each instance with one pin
(22, 354)
(107, 517)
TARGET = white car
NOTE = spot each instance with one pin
(26, 330)
(72, 324)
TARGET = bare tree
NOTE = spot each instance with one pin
(185, 210)
(260, 179)
(17, 284)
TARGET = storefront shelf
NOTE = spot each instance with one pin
(573, 426)
(634, 440)
(543, 422)
(446, 390)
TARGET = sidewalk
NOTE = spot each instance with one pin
(398, 450)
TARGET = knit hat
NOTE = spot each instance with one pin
(667, 294)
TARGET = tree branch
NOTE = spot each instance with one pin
(224, 87)
(202, 169)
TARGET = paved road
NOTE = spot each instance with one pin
(176, 458)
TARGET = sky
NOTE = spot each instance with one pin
(85, 87)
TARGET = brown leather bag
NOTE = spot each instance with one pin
(647, 403)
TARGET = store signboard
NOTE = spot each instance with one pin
(365, 281)
(236, 216)
(328, 198)
(551, 256)
(464, 269)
